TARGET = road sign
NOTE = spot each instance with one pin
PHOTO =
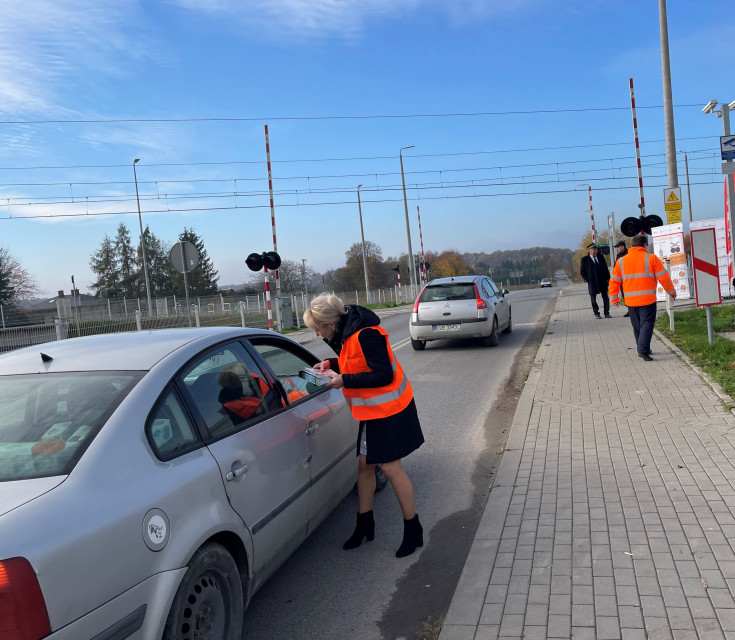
(706, 271)
(184, 256)
(727, 147)
(672, 199)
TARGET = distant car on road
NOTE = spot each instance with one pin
(545, 282)
(151, 481)
(460, 307)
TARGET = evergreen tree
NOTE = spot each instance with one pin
(127, 271)
(103, 263)
(160, 270)
(203, 279)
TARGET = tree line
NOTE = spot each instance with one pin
(118, 267)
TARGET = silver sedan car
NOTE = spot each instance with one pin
(150, 482)
(460, 307)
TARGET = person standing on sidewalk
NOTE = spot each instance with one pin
(593, 270)
(638, 275)
(621, 250)
(381, 398)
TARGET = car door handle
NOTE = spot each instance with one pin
(236, 473)
(311, 431)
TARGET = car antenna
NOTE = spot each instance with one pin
(46, 357)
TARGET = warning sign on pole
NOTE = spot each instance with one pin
(706, 271)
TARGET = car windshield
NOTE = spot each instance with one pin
(439, 293)
(47, 421)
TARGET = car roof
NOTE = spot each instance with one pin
(127, 351)
(453, 280)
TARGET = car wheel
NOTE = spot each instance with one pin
(418, 345)
(208, 604)
(492, 339)
(509, 328)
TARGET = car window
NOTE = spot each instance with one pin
(440, 293)
(228, 390)
(487, 289)
(287, 361)
(169, 429)
(47, 421)
(493, 286)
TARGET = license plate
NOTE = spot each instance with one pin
(447, 327)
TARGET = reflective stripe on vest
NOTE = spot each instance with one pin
(377, 402)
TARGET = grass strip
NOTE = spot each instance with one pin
(690, 335)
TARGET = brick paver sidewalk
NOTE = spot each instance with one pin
(612, 512)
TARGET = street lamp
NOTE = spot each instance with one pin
(142, 244)
(727, 167)
(364, 253)
(411, 267)
(689, 193)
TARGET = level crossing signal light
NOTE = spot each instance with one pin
(604, 249)
(631, 227)
(268, 259)
(397, 268)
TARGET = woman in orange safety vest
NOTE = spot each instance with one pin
(381, 398)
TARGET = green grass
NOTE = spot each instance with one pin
(690, 335)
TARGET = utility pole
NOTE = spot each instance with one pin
(671, 170)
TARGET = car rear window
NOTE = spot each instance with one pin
(439, 293)
(47, 421)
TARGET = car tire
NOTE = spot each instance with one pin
(209, 602)
(509, 328)
(492, 339)
(418, 345)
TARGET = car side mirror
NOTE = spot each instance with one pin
(505, 292)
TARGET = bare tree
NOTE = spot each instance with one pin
(16, 283)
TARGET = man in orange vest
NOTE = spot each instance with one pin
(638, 273)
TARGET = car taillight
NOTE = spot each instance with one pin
(23, 614)
(416, 304)
(481, 304)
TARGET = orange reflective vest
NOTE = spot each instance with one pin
(375, 402)
(246, 406)
(638, 273)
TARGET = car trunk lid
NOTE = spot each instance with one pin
(448, 303)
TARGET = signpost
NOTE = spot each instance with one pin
(727, 147)
(185, 257)
(706, 272)
(672, 204)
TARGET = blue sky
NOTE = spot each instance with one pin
(188, 85)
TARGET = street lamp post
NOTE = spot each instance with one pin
(142, 244)
(724, 113)
(689, 193)
(364, 253)
(411, 267)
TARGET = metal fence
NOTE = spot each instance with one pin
(72, 317)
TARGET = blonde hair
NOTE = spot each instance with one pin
(324, 309)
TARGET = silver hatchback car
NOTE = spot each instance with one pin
(460, 307)
(150, 482)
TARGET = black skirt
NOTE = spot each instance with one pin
(394, 437)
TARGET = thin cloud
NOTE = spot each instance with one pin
(345, 18)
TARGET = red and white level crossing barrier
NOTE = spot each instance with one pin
(637, 150)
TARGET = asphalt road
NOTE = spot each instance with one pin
(466, 396)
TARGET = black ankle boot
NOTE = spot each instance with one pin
(365, 528)
(413, 536)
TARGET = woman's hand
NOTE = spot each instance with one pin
(335, 383)
(320, 366)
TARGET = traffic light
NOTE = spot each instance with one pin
(397, 268)
(604, 249)
(427, 266)
(633, 226)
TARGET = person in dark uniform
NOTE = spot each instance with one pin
(593, 270)
(621, 250)
(381, 398)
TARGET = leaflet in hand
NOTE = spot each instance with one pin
(317, 376)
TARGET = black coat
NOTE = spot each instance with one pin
(597, 279)
(390, 438)
(624, 252)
